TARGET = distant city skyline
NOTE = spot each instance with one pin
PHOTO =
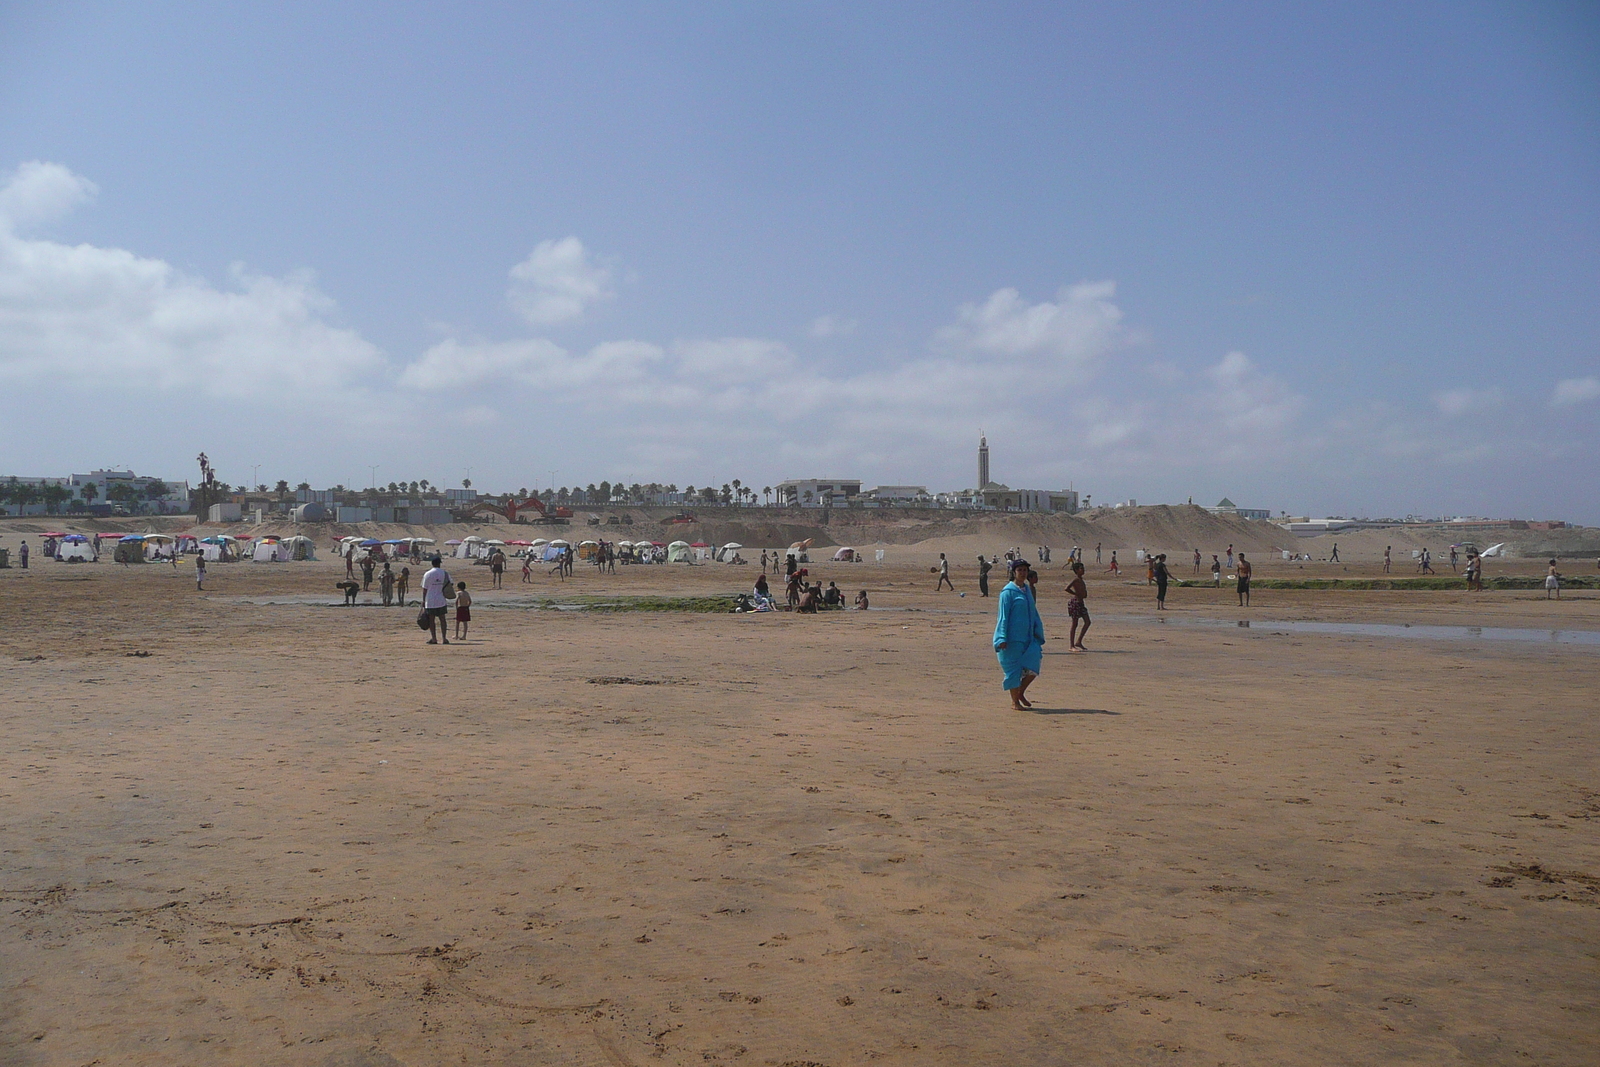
(1340, 260)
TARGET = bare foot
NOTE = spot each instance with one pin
(1026, 702)
(1017, 706)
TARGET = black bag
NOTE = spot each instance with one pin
(423, 619)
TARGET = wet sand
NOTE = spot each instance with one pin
(256, 833)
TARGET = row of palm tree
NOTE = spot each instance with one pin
(55, 496)
(731, 494)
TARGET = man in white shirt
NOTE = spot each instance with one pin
(436, 601)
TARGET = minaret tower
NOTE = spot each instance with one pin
(983, 461)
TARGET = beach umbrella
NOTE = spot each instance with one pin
(130, 538)
(58, 533)
(75, 539)
(423, 540)
(107, 536)
(699, 544)
(452, 542)
(370, 543)
(731, 544)
(559, 543)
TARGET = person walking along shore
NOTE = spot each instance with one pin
(1018, 636)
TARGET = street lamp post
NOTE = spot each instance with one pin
(374, 468)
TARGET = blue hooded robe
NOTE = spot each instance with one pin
(1020, 627)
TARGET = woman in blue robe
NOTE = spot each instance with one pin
(1019, 636)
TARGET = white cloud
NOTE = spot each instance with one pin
(456, 365)
(1454, 402)
(1575, 391)
(38, 192)
(733, 359)
(826, 326)
(1080, 326)
(557, 283)
(104, 318)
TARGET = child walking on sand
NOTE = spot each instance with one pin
(463, 610)
(527, 569)
(200, 572)
(1552, 582)
(1077, 610)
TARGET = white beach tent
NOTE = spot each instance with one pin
(845, 555)
(554, 549)
(269, 550)
(468, 547)
(680, 552)
(159, 547)
(726, 553)
(75, 548)
(300, 547)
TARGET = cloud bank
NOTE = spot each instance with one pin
(1068, 392)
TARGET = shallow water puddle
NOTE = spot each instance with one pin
(1388, 629)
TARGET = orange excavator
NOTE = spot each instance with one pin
(512, 509)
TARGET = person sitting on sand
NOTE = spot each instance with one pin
(861, 600)
(1018, 636)
(350, 588)
(463, 610)
(809, 601)
(762, 590)
(832, 597)
(1077, 610)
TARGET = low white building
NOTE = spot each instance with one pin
(1004, 498)
(817, 492)
(1228, 507)
(899, 493)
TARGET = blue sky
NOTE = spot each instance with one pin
(1330, 259)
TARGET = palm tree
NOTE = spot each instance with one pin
(90, 491)
(766, 491)
(737, 491)
(808, 496)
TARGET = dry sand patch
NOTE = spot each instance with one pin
(292, 834)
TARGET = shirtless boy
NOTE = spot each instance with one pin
(1077, 610)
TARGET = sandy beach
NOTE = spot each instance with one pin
(248, 826)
